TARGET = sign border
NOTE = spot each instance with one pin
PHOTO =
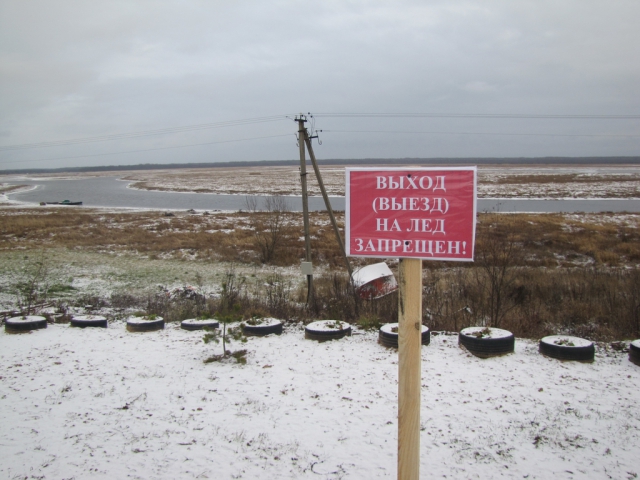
(347, 208)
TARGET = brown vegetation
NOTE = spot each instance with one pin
(548, 240)
(533, 274)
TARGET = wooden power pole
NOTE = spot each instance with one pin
(327, 203)
(302, 135)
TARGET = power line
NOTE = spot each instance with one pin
(147, 149)
(274, 118)
(480, 133)
(477, 115)
(145, 133)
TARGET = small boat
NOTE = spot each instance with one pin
(64, 202)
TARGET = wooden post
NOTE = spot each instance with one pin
(327, 203)
(302, 135)
(409, 371)
(332, 217)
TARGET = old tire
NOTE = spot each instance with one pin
(139, 324)
(24, 323)
(563, 347)
(388, 338)
(321, 332)
(634, 352)
(195, 324)
(500, 343)
(271, 326)
(84, 321)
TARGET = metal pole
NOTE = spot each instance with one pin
(409, 372)
(302, 134)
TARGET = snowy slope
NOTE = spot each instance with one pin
(105, 403)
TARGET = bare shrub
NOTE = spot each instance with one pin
(33, 288)
(123, 300)
(450, 299)
(269, 226)
(333, 297)
(377, 311)
(497, 258)
(278, 296)
(158, 304)
(596, 303)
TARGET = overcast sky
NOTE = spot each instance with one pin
(77, 69)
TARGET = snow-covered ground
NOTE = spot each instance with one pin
(505, 181)
(502, 181)
(105, 403)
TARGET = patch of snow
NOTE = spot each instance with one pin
(25, 319)
(566, 341)
(490, 332)
(199, 321)
(265, 322)
(327, 326)
(89, 317)
(636, 343)
(371, 272)
(389, 327)
(142, 320)
(100, 403)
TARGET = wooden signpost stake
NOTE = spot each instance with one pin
(409, 373)
(413, 214)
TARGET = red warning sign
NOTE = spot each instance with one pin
(427, 213)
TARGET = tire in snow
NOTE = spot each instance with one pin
(487, 342)
(195, 324)
(24, 323)
(84, 321)
(140, 324)
(634, 352)
(324, 330)
(268, 327)
(387, 337)
(564, 347)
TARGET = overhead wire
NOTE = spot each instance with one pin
(477, 115)
(274, 118)
(145, 133)
(146, 149)
(480, 133)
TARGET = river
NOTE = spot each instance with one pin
(111, 192)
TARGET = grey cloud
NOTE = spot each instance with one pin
(70, 69)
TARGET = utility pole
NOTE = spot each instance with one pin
(326, 201)
(332, 217)
(302, 135)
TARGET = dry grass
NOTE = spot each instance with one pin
(595, 303)
(570, 273)
(548, 240)
(220, 237)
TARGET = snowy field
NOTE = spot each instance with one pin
(106, 403)
(504, 181)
